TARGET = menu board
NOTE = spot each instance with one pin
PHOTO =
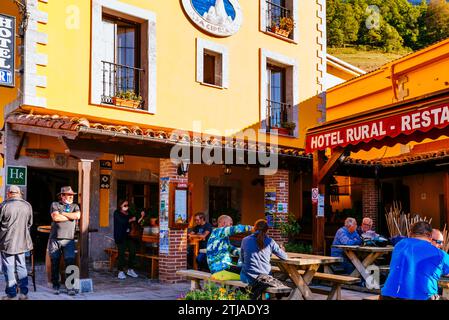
(180, 205)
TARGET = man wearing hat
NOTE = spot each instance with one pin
(16, 219)
(64, 214)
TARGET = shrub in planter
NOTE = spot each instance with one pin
(212, 291)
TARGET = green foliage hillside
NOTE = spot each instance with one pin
(388, 25)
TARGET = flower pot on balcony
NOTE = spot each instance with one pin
(283, 131)
(125, 103)
(281, 32)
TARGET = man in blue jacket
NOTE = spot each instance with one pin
(346, 235)
(416, 266)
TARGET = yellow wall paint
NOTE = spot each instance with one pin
(180, 99)
(430, 187)
(104, 208)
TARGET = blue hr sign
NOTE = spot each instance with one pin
(6, 78)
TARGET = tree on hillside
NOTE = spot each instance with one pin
(436, 22)
(399, 23)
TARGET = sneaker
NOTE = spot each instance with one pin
(23, 296)
(121, 275)
(71, 292)
(9, 298)
(56, 291)
(131, 273)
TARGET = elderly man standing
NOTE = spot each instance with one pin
(62, 235)
(16, 218)
(346, 235)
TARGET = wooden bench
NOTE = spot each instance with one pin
(113, 255)
(335, 280)
(375, 297)
(195, 276)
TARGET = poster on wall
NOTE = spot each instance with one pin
(163, 210)
(163, 240)
(282, 207)
(320, 207)
(270, 200)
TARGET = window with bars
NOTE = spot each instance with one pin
(122, 73)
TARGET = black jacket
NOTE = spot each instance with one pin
(121, 226)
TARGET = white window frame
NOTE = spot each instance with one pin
(292, 86)
(201, 45)
(96, 67)
(295, 14)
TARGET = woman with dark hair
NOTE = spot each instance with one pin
(122, 227)
(256, 253)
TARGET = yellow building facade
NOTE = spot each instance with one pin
(410, 170)
(102, 84)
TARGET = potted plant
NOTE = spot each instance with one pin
(127, 99)
(291, 228)
(284, 27)
(290, 126)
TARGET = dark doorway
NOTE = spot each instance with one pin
(220, 202)
(43, 186)
(141, 195)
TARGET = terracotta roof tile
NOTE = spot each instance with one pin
(75, 124)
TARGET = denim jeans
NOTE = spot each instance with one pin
(56, 248)
(12, 263)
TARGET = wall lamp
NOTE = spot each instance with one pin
(119, 159)
(183, 167)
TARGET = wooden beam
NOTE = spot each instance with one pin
(331, 165)
(20, 145)
(44, 131)
(317, 222)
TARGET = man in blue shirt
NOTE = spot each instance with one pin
(416, 266)
(346, 235)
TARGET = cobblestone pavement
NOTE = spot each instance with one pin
(107, 286)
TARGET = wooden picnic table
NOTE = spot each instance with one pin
(307, 262)
(355, 252)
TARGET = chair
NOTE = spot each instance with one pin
(32, 270)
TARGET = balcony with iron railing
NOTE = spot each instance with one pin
(279, 118)
(279, 20)
(122, 85)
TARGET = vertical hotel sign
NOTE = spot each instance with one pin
(7, 50)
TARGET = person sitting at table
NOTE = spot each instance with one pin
(416, 266)
(203, 229)
(219, 249)
(366, 227)
(437, 238)
(346, 235)
(256, 252)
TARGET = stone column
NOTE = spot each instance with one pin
(176, 259)
(370, 200)
(280, 182)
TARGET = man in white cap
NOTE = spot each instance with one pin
(64, 214)
(16, 219)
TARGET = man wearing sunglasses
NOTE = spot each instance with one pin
(437, 238)
(416, 266)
